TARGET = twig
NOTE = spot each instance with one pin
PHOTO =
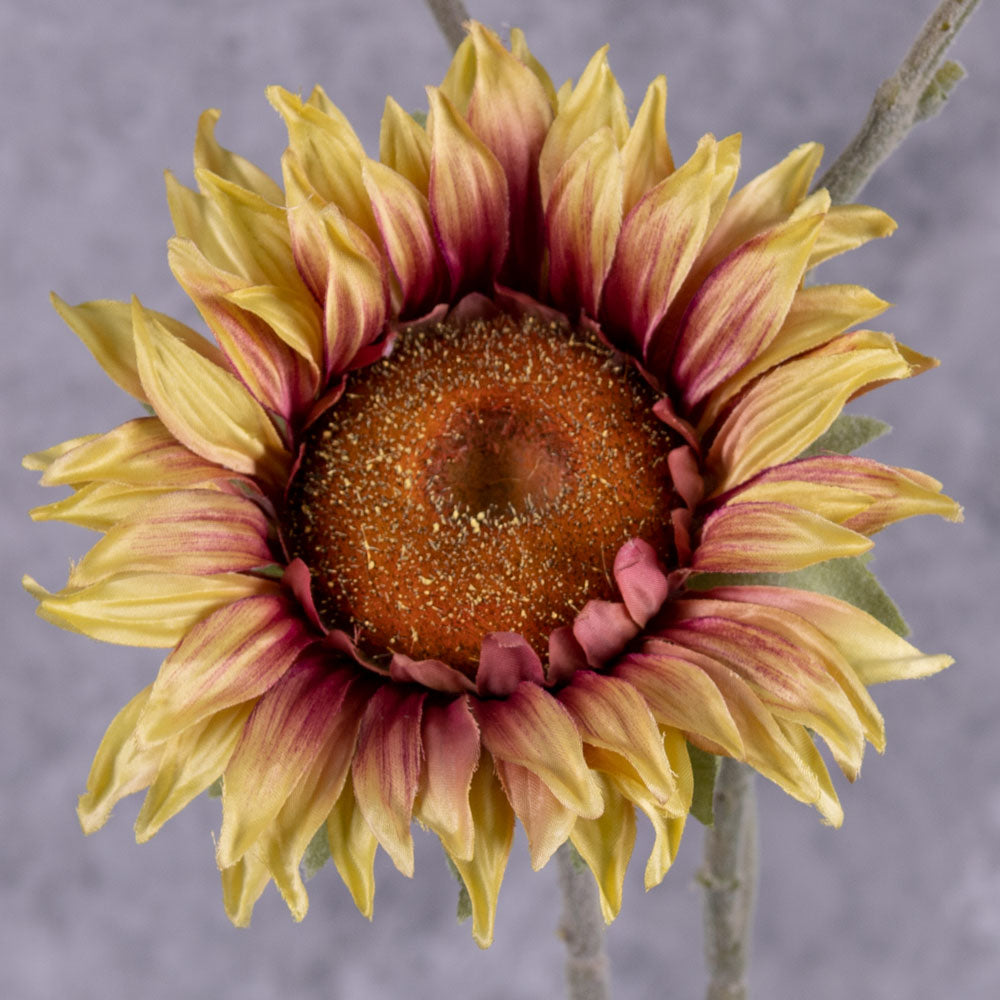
(582, 928)
(450, 16)
(915, 92)
(729, 877)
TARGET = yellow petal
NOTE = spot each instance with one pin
(847, 227)
(519, 46)
(154, 609)
(99, 506)
(42, 461)
(204, 406)
(242, 885)
(405, 147)
(494, 834)
(352, 847)
(121, 766)
(646, 158)
(209, 155)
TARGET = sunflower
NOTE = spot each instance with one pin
(426, 531)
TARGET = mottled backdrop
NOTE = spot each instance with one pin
(904, 900)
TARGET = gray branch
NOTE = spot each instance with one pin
(582, 929)
(450, 16)
(915, 92)
(729, 877)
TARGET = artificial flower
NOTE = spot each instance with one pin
(426, 529)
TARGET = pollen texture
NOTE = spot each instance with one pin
(480, 479)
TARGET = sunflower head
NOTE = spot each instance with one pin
(462, 517)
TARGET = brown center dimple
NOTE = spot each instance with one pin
(481, 479)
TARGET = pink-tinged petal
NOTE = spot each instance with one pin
(143, 609)
(546, 821)
(685, 472)
(278, 376)
(288, 729)
(646, 157)
(187, 531)
(299, 581)
(450, 739)
(660, 239)
(468, 199)
(341, 266)
(121, 766)
(893, 493)
(682, 695)
(741, 307)
(786, 675)
(641, 580)
(509, 110)
(519, 46)
(664, 410)
(141, 452)
(816, 316)
(566, 656)
(767, 748)
(791, 406)
(806, 637)
(231, 657)
(611, 714)
(595, 103)
(189, 763)
(605, 844)
(583, 218)
(404, 220)
(771, 538)
(352, 848)
(682, 523)
(284, 842)
(494, 834)
(531, 728)
(209, 155)
(105, 327)
(321, 139)
(387, 768)
(404, 146)
(433, 674)
(832, 502)
(203, 406)
(506, 659)
(873, 650)
(603, 629)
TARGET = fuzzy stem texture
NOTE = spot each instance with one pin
(450, 16)
(916, 91)
(729, 876)
(582, 929)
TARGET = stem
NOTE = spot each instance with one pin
(729, 877)
(450, 16)
(915, 92)
(582, 928)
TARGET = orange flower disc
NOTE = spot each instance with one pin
(461, 488)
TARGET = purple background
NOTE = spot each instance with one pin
(904, 900)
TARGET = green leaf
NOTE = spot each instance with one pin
(848, 579)
(846, 434)
(420, 117)
(214, 790)
(317, 853)
(464, 911)
(705, 767)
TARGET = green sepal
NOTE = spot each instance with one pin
(705, 767)
(420, 117)
(848, 579)
(317, 853)
(214, 790)
(464, 911)
(846, 434)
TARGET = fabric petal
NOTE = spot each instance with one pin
(297, 714)
(646, 158)
(483, 875)
(450, 739)
(242, 885)
(204, 406)
(583, 218)
(847, 227)
(352, 848)
(209, 155)
(143, 609)
(121, 766)
(603, 629)
(404, 146)
(99, 506)
(532, 729)
(233, 656)
(468, 198)
(387, 769)
(756, 537)
(505, 660)
(741, 306)
(640, 579)
(546, 821)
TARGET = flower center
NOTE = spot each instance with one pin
(481, 479)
